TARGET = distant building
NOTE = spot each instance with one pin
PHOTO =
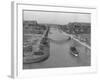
(29, 23)
(78, 28)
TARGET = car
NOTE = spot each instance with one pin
(74, 51)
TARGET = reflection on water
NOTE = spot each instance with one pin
(60, 55)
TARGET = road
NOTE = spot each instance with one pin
(60, 55)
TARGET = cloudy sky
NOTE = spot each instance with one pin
(55, 17)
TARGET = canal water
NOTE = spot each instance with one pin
(60, 55)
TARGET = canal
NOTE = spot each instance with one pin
(60, 55)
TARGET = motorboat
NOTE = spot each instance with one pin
(74, 51)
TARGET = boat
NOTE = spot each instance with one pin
(74, 51)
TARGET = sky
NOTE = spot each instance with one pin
(56, 17)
